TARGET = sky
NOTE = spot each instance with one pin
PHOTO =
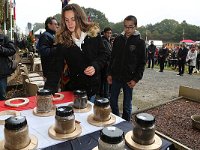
(146, 11)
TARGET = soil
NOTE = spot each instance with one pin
(174, 120)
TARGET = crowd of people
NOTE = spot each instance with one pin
(178, 57)
(96, 62)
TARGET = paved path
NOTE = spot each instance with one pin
(156, 87)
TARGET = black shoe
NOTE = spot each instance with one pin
(178, 74)
(161, 71)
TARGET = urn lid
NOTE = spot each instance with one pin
(111, 135)
(15, 122)
(145, 119)
(102, 102)
(80, 92)
(44, 92)
(64, 111)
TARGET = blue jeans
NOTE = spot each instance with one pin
(127, 102)
(3, 86)
(92, 98)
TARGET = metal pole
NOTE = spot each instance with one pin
(4, 20)
(11, 13)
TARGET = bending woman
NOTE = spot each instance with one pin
(79, 44)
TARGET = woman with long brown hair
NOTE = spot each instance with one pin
(80, 45)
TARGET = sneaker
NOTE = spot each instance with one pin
(178, 74)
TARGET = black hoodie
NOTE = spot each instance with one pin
(127, 58)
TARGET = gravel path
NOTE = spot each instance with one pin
(156, 87)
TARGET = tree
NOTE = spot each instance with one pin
(97, 16)
(117, 27)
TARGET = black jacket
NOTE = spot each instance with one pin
(127, 58)
(93, 53)
(47, 50)
(163, 53)
(182, 54)
(151, 50)
(7, 49)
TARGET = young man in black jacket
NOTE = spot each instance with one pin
(126, 66)
(7, 49)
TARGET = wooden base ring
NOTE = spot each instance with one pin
(95, 148)
(25, 101)
(8, 112)
(45, 114)
(58, 97)
(91, 121)
(58, 136)
(133, 145)
(32, 145)
(84, 110)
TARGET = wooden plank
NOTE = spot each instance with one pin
(190, 93)
(176, 143)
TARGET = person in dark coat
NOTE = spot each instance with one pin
(151, 53)
(80, 45)
(182, 54)
(104, 86)
(163, 52)
(7, 49)
(46, 46)
(126, 66)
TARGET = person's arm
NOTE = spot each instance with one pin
(102, 57)
(8, 48)
(140, 62)
(55, 71)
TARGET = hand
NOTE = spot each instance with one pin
(109, 79)
(131, 83)
(89, 71)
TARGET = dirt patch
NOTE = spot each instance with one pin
(174, 120)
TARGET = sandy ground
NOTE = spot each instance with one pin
(157, 88)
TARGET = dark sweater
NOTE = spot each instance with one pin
(93, 53)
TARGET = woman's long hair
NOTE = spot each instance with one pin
(63, 35)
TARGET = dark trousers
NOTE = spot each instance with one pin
(198, 64)
(162, 62)
(190, 68)
(150, 61)
(181, 66)
(127, 102)
(3, 86)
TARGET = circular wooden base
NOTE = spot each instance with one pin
(51, 113)
(58, 97)
(154, 146)
(95, 148)
(32, 145)
(8, 102)
(8, 112)
(91, 121)
(87, 109)
(58, 136)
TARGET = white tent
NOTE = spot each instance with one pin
(40, 31)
